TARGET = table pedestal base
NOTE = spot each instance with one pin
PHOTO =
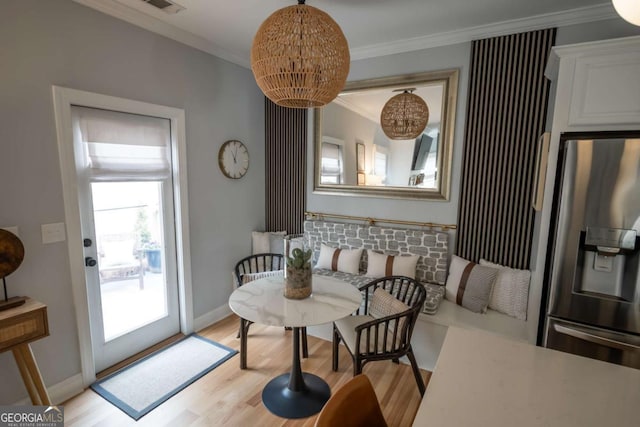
(286, 403)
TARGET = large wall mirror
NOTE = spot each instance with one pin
(353, 155)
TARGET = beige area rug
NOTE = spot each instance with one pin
(147, 383)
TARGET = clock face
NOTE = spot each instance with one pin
(233, 159)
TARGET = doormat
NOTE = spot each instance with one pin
(150, 381)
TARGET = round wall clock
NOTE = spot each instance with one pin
(233, 159)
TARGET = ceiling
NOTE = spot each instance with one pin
(225, 28)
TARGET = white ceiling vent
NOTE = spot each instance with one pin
(165, 6)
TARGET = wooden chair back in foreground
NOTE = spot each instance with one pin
(354, 405)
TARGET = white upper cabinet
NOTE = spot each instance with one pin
(598, 84)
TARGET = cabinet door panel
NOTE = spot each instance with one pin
(606, 90)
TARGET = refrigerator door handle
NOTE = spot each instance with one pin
(596, 339)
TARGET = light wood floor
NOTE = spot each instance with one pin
(228, 396)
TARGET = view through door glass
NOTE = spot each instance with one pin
(129, 239)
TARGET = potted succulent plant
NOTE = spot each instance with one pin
(297, 282)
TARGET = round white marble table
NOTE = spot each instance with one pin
(295, 394)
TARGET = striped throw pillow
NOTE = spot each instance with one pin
(381, 265)
(469, 284)
(335, 259)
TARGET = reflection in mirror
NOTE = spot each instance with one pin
(354, 156)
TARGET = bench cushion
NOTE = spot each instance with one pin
(435, 293)
(450, 314)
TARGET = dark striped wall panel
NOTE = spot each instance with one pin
(506, 112)
(285, 167)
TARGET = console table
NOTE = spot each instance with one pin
(295, 394)
(18, 327)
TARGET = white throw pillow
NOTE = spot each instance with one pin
(469, 284)
(267, 242)
(345, 260)
(381, 265)
(511, 290)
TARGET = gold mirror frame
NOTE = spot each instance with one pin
(449, 81)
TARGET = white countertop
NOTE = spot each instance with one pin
(262, 301)
(482, 379)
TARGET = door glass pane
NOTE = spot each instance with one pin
(129, 239)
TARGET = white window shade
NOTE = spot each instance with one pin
(123, 146)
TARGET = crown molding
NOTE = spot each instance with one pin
(557, 19)
(537, 22)
(135, 17)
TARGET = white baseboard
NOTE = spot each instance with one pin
(211, 317)
(62, 391)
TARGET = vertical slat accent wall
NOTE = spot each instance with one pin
(506, 113)
(285, 168)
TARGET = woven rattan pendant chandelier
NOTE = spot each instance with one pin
(404, 116)
(300, 57)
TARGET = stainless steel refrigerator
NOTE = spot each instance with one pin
(593, 264)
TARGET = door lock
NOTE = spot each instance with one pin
(90, 262)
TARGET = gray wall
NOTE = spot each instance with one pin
(58, 42)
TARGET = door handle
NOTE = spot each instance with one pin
(596, 339)
(90, 262)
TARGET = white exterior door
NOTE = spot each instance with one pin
(125, 194)
(84, 203)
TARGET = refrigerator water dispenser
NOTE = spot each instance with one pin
(604, 255)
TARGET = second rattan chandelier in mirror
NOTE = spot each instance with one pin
(300, 57)
(404, 116)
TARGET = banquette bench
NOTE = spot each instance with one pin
(432, 249)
